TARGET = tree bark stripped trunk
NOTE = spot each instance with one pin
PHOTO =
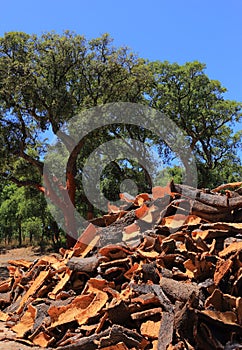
(69, 214)
(66, 203)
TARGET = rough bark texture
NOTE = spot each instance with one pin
(161, 273)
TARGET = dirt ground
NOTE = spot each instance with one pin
(29, 253)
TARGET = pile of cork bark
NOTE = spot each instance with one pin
(163, 271)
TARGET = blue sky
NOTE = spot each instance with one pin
(177, 31)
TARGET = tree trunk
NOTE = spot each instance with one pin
(70, 220)
(71, 187)
(65, 202)
(70, 226)
(90, 213)
(55, 233)
(19, 233)
(30, 237)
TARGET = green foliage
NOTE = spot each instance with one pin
(197, 105)
(24, 216)
(164, 176)
(46, 80)
(123, 176)
(228, 170)
(32, 228)
(8, 210)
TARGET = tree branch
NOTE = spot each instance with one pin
(31, 160)
(21, 183)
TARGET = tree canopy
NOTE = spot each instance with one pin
(197, 105)
(46, 80)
